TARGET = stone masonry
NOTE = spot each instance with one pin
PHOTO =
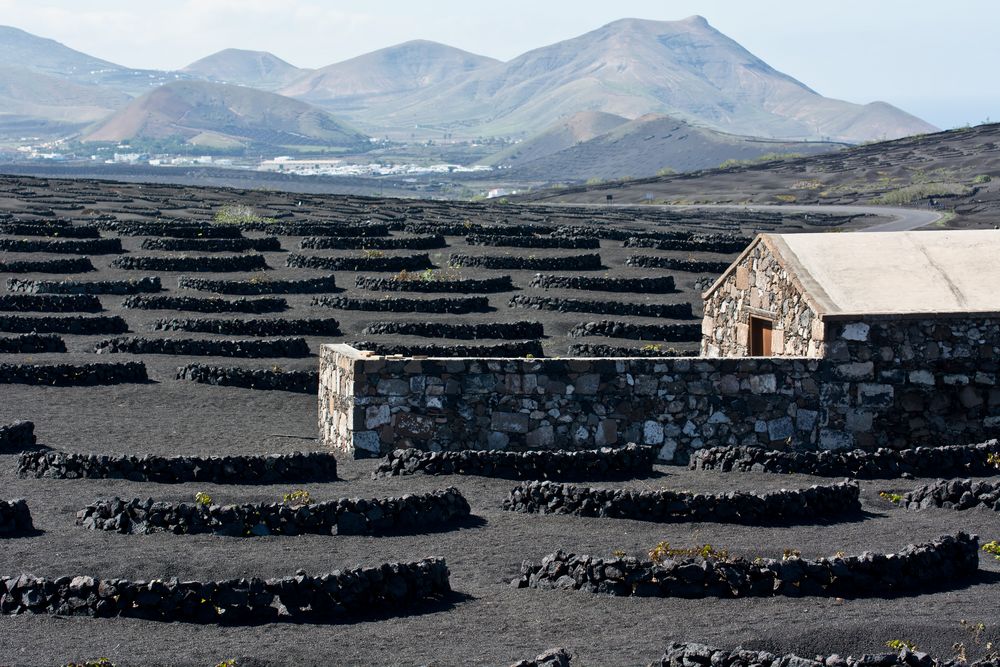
(881, 383)
(758, 285)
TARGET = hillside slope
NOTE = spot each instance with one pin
(642, 147)
(576, 129)
(956, 171)
(397, 69)
(224, 115)
(256, 69)
(633, 67)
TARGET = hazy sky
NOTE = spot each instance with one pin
(935, 59)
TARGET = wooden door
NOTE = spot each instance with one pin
(760, 337)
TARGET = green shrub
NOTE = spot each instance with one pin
(235, 214)
(203, 499)
(297, 497)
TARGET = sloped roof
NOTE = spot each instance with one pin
(892, 273)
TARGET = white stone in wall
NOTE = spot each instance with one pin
(652, 432)
(855, 331)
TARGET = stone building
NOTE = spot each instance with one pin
(785, 291)
(861, 340)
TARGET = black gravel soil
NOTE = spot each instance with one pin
(487, 622)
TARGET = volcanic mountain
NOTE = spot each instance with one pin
(641, 148)
(255, 69)
(222, 115)
(632, 67)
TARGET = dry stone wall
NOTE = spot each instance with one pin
(345, 516)
(338, 595)
(889, 384)
(370, 406)
(943, 562)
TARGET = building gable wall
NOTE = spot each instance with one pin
(760, 286)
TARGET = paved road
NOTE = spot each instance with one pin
(904, 219)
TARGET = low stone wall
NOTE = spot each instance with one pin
(134, 286)
(606, 463)
(602, 350)
(17, 435)
(51, 303)
(249, 349)
(454, 305)
(934, 565)
(675, 264)
(957, 494)
(811, 504)
(464, 228)
(566, 242)
(690, 654)
(266, 244)
(346, 516)
(416, 284)
(695, 244)
(194, 304)
(68, 324)
(251, 287)
(15, 518)
(75, 247)
(429, 242)
(498, 330)
(249, 469)
(673, 311)
(657, 332)
(337, 596)
(175, 230)
(31, 343)
(526, 348)
(262, 326)
(181, 263)
(391, 263)
(657, 285)
(68, 265)
(336, 229)
(73, 375)
(301, 382)
(51, 230)
(957, 460)
(587, 262)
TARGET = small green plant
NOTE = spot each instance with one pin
(618, 553)
(231, 662)
(236, 214)
(790, 553)
(373, 254)
(981, 179)
(297, 497)
(203, 499)
(993, 459)
(99, 662)
(976, 631)
(651, 347)
(894, 498)
(992, 548)
(663, 551)
(900, 644)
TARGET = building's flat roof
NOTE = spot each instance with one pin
(895, 273)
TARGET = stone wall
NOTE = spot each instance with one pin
(895, 384)
(759, 286)
(345, 516)
(371, 405)
(338, 595)
(813, 504)
(942, 563)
